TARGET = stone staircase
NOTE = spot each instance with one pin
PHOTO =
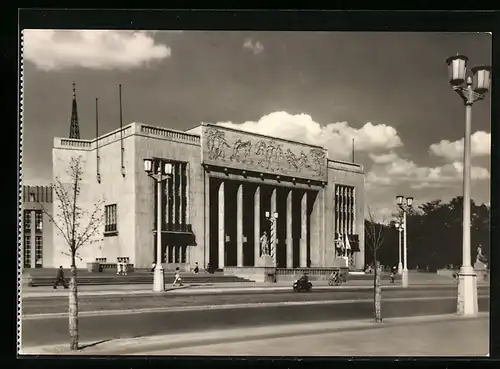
(46, 277)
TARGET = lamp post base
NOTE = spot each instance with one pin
(467, 292)
(400, 268)
(404, 278)
(159, 280)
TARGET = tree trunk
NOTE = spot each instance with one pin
(73, 308)
(377, 292)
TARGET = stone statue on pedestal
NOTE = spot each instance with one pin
(264, 244)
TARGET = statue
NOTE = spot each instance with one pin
(480, 258)
(264, 244)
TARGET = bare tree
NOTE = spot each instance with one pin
(78, 226)
(375, 239)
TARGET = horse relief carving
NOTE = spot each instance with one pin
(267, 154)
(241, 148)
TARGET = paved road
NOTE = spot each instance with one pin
(41, 305)
(129, 324)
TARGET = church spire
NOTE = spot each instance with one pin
(74, 131)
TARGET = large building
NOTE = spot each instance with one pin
(36, 230)
(214, 203)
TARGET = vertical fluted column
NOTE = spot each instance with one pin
(222, 233)
(239, 225)
(303, 230)
(289, 239)
(256, 222)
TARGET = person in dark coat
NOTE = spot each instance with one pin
(60, 278)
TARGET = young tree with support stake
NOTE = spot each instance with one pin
(78, 227)
(374, 234)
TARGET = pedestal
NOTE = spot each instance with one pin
(400, 268)
(467, 292)
(404, 278)
(481, 270)
(267, 268)
(159, 279)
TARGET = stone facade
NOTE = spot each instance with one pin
(214, 204)
(36, 229)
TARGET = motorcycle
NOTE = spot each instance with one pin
(302, 285)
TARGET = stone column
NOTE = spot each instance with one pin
(239, 225)
(289, 239)
(181, 210)
(256, 222)
(273, 235)
(303, 230)
(207, 218)
(222, 231)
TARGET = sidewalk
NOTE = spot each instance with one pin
(193, 289)
(409, 336)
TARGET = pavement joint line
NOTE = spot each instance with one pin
(157, 343)
(227, 306)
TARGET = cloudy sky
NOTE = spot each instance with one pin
(388, 91)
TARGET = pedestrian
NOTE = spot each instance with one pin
(196, 268)
(393, 274)
(153, 266)
(177, 277)
(60, 278)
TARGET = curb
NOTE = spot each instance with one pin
(84, 314)
(141, 345)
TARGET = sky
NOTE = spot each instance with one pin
(388, 91)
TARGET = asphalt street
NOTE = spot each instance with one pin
(43, 305)
(139, 324)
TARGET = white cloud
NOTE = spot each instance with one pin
(403, 171)
(384, 158)
(255, 46)
(95, 49)
(480, 146)
(335, 137)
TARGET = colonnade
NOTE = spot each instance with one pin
(268, 195)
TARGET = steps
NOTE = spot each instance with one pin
(39, 279)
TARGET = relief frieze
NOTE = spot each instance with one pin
(238, 149)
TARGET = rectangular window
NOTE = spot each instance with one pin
(38, 251)
(110, 227)
(27, 220)
(345, 211)
(176, 200)
(27, 252)
(38, 221)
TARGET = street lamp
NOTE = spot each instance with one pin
(470, 90)
(272, 218)
(404, 205)
(399, 227)
(159, 171)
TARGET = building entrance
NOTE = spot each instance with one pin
(237, 221)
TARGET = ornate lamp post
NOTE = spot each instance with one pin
(159, 171)
(272, 218)
(399, 227)
(404, 206)
(470, 90)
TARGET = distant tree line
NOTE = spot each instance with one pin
(434, 235)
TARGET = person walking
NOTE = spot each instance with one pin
(60, 278)
(196, 269)
(177, 277)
